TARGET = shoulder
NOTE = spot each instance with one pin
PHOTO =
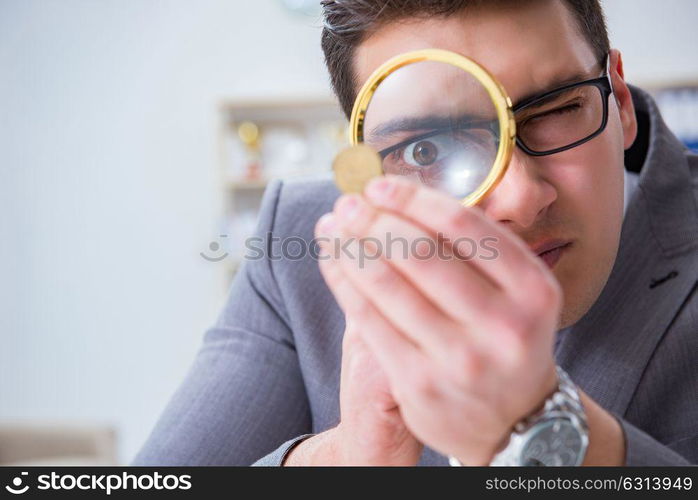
(291, 207)
(308, 195)
(693, 169)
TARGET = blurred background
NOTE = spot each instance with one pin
(136, 138)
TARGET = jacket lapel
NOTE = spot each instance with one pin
(606, 351)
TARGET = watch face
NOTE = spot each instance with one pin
(553, 443)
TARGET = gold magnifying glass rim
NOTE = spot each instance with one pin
(500, 99)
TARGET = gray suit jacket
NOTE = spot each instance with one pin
(269, 369)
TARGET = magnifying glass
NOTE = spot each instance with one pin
(434, 116)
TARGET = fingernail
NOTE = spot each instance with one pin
(348, 208)
(380, 189)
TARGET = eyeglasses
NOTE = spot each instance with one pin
(546, 124)
(565, 117)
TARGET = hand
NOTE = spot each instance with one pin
(370, 418)
(371, 430)
(466, 345)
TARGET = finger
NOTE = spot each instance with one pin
(348, 297)
(394, 352)
(405, 307)
(513, 265)
(454, 286)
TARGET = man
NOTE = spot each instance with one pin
(408, 361)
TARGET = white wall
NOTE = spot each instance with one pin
(108, 184)
(108, 181)
(658, 39)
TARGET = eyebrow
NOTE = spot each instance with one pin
(554, 85)
(430, 122)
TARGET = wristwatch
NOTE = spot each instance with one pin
(556, 435)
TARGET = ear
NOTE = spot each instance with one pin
(623, 98)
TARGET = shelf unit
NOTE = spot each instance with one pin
(297, 136)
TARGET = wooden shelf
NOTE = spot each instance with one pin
(245, 184)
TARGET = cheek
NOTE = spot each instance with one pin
(589, 180)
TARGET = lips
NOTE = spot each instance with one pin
(551, 250)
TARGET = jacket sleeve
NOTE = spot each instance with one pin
(244, 393)
(641, 449)
(277, 457)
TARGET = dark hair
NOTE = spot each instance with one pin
(348, 22)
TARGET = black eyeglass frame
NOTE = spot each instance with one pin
(603, 83)
(605, 86)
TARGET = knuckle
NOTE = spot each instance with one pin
(459, 220)
(466, 366)
(422, 384)
(514, 352)
(381, 275)
(512, 325)
(512, 339)
(405, 192)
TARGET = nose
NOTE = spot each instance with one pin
(523, 195)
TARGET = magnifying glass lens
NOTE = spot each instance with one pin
(435, 123)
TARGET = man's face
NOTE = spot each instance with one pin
(575, 195)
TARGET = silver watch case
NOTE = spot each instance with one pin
(556, 435)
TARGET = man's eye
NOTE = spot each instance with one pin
(422, 153)
(434, 151)
(426, 152)
(570, 108)
(565, 109)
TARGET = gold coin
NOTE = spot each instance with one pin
(354, 167)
